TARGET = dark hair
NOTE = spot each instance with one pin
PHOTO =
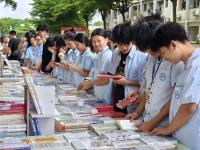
(12, 32)
(82, 38)
(100, 32)
(2, 38)
(143, 30)
(121, 33)
(69, 36)
(59, 41)
(109, 34)
(167, 32)
(42, 27)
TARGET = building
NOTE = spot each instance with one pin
(188, 13)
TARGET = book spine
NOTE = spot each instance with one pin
(33, 126)
(35, 120)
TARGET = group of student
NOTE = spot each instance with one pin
(152, 58)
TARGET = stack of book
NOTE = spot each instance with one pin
(12, 110)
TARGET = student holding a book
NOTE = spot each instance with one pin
(158, 81)
(171, 42)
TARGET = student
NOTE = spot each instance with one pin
(103, 59)
(70, 57)
(30, 52)
(158, 81)
(58, 56)
(37, 60)
(84, 62)
(4, 44)
(127, 63)
(171, 42)
(42, 29)
(47, 56)
(13, 45)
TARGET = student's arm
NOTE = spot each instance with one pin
(80, 71)
(151, 124)
(123, 81)
(183, 115)
(36, 67)
(49, 66)
(139, 111)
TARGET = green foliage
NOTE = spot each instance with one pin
(21, 26)
(11, 3)
(56, 13)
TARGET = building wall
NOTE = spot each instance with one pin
(166, 9)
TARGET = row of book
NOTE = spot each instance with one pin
(12, 107)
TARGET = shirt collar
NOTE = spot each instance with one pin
(192, 60)
(85, 52)
(132, 52)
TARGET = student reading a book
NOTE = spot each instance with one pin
(102, 60)
(127, 63)
(158, 80)
(171, 42)
(58, 54)
(47, 55)
(84, 62)
(70, 56)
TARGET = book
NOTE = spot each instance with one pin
(108, 76)
(91, 144)
(120, 135)
(78, 135)
(128, 144)
(127, 124)
(128, 101)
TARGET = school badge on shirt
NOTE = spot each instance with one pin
(162, 77)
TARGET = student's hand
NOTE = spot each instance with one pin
(146, 126)
(121, 80)
(85, 85)
(132, 116)
(72, 66)
(161, 131)
(66, 64)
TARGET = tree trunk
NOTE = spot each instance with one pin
(87, 24)
(174, 10)
(123, 16)
(103, 16)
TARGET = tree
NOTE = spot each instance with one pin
(103, 7)
(122, 6)
(21, 26)
(11, 3)
(56, 13)
(174, 9)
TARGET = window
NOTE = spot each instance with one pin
(166, 3)
(145, 7)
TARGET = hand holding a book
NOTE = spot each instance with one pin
(121, 80)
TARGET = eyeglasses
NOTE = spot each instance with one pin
(38, 39)
(5, 42)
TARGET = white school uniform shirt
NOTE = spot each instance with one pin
(37, 57)
(71, 57)
(83, 61)
(102, 62)
(187, 91)
(135, 62)
(30, 53)
(162, 85)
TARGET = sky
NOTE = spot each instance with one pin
(21, 12)
(23, 9)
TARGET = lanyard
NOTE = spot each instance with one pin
(155, 70)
